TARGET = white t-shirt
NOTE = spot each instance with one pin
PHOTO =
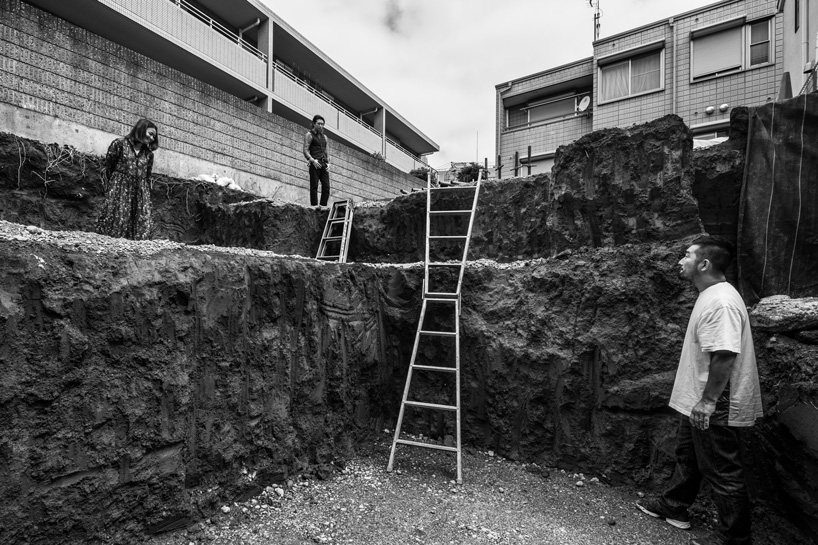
(719, 321)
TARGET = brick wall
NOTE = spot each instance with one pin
(56, 71)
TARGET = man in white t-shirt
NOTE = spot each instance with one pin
(716, 392)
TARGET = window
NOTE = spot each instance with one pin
(759, 43)
(543, 109)
(721, 48)
(552, 109)
(630, 77)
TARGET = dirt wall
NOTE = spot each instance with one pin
(147, 382)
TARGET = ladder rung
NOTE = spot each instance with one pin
(453, 187)
(448, 237)
(427, 445)
(438, 333)
(441, 264)
(450, 212)
(439, 295)
(431, 405)
(330, 239)
(440, 299)
(435, 368)
(337, 220)
(328, 256)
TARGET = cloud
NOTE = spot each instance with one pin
(393, 17)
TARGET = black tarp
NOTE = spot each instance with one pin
(778, 214)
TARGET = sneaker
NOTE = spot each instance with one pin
(655, 509)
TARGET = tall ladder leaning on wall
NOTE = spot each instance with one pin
(433, 298)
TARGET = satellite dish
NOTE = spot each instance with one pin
(584, 103)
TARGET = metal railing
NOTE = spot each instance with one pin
(811, 82)
(404, 150)
(218, 27)
(312, 90)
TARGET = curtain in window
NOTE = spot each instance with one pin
(645, 73)
(718, 52)
(759, 43)
(552, 110)
(614, 81)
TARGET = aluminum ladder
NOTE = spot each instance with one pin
(432, 298)
(334, 243)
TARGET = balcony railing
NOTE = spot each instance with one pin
(310, 101)
(218, 27)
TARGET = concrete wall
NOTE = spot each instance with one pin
(799, 44)
(61, 83)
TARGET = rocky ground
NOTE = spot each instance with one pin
(500, 501)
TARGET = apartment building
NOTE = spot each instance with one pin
(800, 43)
(698, 65)
(231, 84)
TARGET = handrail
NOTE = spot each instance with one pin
(322, 96)
(218, 27)
(810, 81)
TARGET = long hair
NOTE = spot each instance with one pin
(140, 129)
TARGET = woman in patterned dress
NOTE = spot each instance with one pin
(126, 211)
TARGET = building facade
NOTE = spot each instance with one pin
(800, 43)
(698, 65)
(231, 85)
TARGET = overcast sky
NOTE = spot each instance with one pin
(436, 62)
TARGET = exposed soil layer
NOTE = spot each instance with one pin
(147, 382)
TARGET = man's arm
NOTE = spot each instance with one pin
(721, 366)
(307, 142)
(327, 166)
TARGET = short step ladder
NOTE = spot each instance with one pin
(335, 240)
(436, 299)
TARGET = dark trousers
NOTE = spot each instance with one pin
(317, 175)
(712, 455)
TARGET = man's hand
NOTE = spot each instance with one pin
(700, 414)
(327, 167)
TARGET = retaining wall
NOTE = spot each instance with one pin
(62, 83)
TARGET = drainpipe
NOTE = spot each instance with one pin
(672, 24)
(805, 41)
(248, 27)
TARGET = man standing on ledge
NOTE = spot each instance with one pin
(717, 392)
(316, 152)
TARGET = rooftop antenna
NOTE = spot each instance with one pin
(597, 14)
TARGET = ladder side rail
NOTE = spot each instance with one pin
(426, 285)
(345, 230)
(468, 233)
(457, 390)
(406, 387)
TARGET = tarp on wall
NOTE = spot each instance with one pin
(778, 214)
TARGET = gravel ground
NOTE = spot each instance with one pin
(499, 502)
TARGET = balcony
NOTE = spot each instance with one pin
(401, 158)
(183, 23)
(308, 101)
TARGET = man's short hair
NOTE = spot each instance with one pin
(316, 117)
(717, 250)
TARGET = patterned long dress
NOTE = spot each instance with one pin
(126, 211)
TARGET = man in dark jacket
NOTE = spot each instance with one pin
(316, 151)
